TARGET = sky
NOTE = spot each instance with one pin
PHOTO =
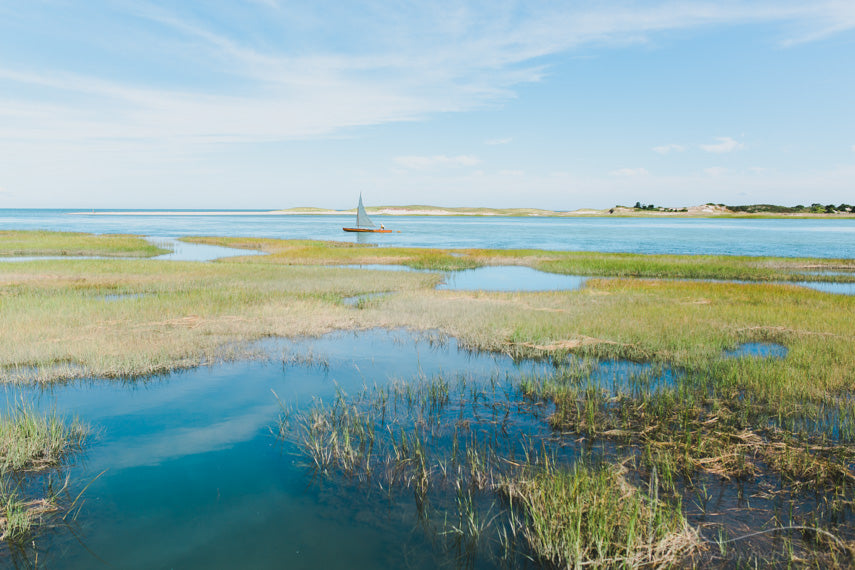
(269, 104)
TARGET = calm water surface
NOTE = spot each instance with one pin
(788, 238)
(194, 477)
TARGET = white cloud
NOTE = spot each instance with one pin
(403, 62)
(724, 144)
(424, 162)
(715, 171)
(506, 140)
(853, 148)
(511, 173)
(630, 172)
(667, 148)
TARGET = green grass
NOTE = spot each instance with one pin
(590, 516)
(45, 243)
(111, 318)
(312, 252)
(164, 315)
(618, 502)
(715, 267)
(32, 443)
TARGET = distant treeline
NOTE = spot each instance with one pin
(651, 207)
(799, 209)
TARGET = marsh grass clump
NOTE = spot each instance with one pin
(32, 442)
(19, 515)
(32, 446)
(591, 516)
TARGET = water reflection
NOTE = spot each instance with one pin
(510, 278)
(192, 467)
(185, 251)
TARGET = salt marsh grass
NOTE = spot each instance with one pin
(591, 516)
(713, 267)
(30, 445)
(30, 441)
(310, 252)
(45, 243)
(170, 314)
(602, 479)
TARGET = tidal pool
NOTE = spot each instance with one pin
(518, 278)
(186, 251)
(510, 278)
(758, 350)
(494, 278)
(828, 287)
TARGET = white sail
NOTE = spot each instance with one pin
(362, 219)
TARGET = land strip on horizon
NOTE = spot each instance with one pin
(702, 211)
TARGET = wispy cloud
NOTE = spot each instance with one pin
(715, 171)
(389, 63)
(630, 172)
(724, 145)
(424, 162)
(668, 148)
(505, 140)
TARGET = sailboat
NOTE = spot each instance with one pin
(364, 223)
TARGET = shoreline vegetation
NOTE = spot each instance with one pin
(780, 429)
(38, 243)
(815, 211)
(68, 318)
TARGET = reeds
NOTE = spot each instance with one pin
(30, 441)
(591, 516)
(449, 440)
(614, 448)
(32, 444)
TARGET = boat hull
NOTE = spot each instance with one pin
(366, 230)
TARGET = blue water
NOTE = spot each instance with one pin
(509, 278)
(758, 350)
(192, 474)
(779, 237)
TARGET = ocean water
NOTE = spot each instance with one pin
(778, 237)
